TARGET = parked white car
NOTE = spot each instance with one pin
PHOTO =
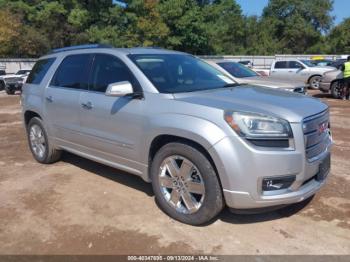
(13, 82)
(302, 70)
(243, 75)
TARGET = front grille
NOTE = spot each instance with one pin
(12, 80)
(316, 134)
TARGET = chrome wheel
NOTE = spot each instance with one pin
(37, 140)
(315, 82)
(181, 184)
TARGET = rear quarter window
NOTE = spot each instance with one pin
(39, 70)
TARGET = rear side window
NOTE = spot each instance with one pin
(108, 69)
(72, 72)
(39, 70)
(281, 64)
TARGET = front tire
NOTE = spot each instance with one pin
(39, 144)
(314, 82)
(336, 90)
(185, 184)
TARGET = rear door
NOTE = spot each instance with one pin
(111, 127)
(280, 69)
(62, 97)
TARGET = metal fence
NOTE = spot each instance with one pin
(264, 62)
(12, 65)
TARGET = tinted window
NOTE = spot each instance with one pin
(108, 69)
(294, 65)
(237, 70)
(308, 63)
(2, 72)
(281, 64)
(175, 73)
(72, 72)
(39, 70)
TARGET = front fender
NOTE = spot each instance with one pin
(199, 130)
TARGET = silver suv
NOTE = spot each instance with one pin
(201, 140)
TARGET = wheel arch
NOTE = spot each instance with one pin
(161, 140)
(28, 115)
(313, 76)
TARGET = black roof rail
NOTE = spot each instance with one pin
(77, 47)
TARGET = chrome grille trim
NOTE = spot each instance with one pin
(315, 143)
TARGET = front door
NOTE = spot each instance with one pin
(111, 127)
(295, 71)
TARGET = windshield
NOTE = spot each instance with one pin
(176, 73)
(237, 70)
(308, 63)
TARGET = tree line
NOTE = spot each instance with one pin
(32, 28)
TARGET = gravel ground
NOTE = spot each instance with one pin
(77, 206)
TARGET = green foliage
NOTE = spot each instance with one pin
(32, 28)
(224, 26)
(186, 26)
(339, 38)
(9, 31)
(298, 24)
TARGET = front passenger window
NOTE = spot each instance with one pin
(108, 69)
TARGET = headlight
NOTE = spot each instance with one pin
(261, 130)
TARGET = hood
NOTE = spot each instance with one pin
(10, 76)
(334, 74)
(322, 68)
(287, 105)
(272, 83)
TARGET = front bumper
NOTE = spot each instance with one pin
(242, 167)
(14, 86)
(325, 86)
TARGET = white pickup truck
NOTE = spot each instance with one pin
(302, 70)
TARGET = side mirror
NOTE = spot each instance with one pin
(119, 89)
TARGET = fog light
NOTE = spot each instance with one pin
(277, 183)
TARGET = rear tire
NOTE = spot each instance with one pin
(335, 89)
(199, 176)
(314, 82)
(39, 144)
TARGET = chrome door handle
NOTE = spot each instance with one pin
(49, 99)
(87, 105)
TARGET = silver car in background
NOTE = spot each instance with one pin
(202, 140)
(299, 70)
(243, 75)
